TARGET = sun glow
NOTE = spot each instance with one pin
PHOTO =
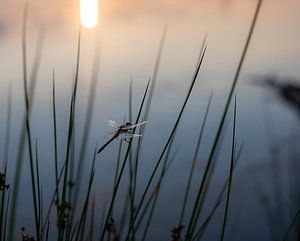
(89, 13)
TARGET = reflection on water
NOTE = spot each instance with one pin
(265, 182)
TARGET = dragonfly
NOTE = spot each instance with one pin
(125, 131)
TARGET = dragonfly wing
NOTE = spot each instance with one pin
(134, 135)
(113, 124)
(135, 125)
(128, 135)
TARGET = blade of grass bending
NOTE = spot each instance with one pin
(116, 187)
(230, 174)
(221, 196)
(24, 129)
(294, 220)
(197, 208)
(187, 190)
(172, 132)
(165, 168)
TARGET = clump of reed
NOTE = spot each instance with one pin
(73, 221)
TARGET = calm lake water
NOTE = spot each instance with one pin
(264, 192)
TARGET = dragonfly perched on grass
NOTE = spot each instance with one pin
(125, 131)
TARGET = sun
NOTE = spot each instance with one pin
(89, 13)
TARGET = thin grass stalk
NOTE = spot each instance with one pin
(187, 190)
(71, 180)
(131, 165)
(74, 230)
(198, 234)
(198, 205)
(55, 138)
(230, 174)
(24, 129)
(39, 198)
(41, 212)
(202, 54)
(6, 217)
(92, 221)
(47, 231)
(116, 187)
(131, 170)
